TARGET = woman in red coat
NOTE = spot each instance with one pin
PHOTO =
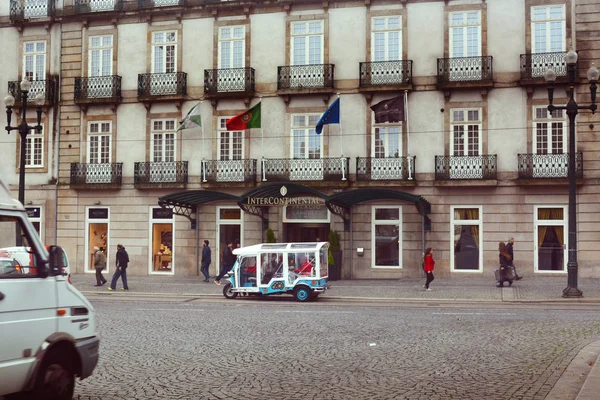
(428, 265)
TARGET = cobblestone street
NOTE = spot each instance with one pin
(248, 349)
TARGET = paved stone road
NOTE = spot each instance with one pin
(247, 349)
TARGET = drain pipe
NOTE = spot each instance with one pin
(56, 124)
(422, 242)
(351, 248)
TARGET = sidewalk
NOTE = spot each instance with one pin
(461, 289)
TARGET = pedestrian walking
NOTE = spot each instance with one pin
(228, 261)
(99, 265)
(122, 262)
(505, 264)
(509, 250)
(428, 266)
(206, 260)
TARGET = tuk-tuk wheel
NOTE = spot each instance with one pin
(302, 293)
(228, 293)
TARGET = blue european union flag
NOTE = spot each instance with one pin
(331, 116)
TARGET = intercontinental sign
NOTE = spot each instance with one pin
(285, 201)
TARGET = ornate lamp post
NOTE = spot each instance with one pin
(572, 109)
(23, 130)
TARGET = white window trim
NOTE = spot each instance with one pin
(387, 31)
(478, 222)
(154, 45)
(220, 130)
(306, 129)
(465, 36)
(386, 126)
(564, 223)
(232, 40)
(400, 234)
(163, 132)
(464, 123)
(89, 269)
(101, 48)
(151, 223)
(307, 35)
(549, 121)
(240, 222)
(33, 54)
(33, 134)
(110, 142)
(546, 21)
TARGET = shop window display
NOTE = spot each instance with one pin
(162, 247)
(98, 236)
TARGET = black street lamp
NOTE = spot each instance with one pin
(572, 110)
(23, 130)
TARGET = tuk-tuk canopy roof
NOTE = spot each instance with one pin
(281, 248)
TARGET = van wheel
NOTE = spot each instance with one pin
(228, 293)
(302, 294)
(56, 378)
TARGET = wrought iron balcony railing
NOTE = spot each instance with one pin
(216, 171)
(162, 84)
(379, 73)
(98, 87)
(96, 174)
(465, 167)
(385, 168)
(160, 3)
(26, 9)
(465, 69)
(314, 76)
(228, 80)
(44, 87)
(87, 6)
(548, 165)
(160, 172)
(305, 169)
(534, 66)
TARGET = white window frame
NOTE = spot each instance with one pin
(549, 120)
(231, 41)
(479, 223)
(151, 222)
(89, 269)
(99, 134)
(387, 32)
(564, 223)
(307, 36)
(101, 49)
(30, 154)
(465, 124)
(35, 54)
(163, 139)
(465, 25)
(397, 223)
(222, 129)
(309, 130)
(162, 68)
(548, 21)
(220, 222)
(386, 145)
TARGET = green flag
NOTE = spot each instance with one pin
(192, 119)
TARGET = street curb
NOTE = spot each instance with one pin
(591, 386)
(580, 380)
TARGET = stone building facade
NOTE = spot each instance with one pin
(478, 158)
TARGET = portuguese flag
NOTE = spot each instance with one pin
(247, 120)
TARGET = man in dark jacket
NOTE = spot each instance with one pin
(509, 249)
(206, 260)
(228, 261)
(122, 261)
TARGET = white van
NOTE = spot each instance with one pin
(47, 327)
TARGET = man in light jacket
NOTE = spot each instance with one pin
(99, 265)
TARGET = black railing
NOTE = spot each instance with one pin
(160, 172)
(465, 167)
(86, 6)
(385, 168)
(548, 165)
(162, 84)
(98, 87)
(305, 169)
(25, 9)
(96, 174)
(535, 65)
(44, 87)
(385, 73)
(215, 171)
(465, 69)
(229, 80)
(160, 3)
(314, 76)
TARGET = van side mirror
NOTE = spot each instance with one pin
(57, 260)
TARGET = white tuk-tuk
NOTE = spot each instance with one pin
(275, 268)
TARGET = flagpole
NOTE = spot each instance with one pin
(203, 162)
(262, 150)
(410, 159)
(342, 159)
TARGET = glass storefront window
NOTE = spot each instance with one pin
(162, 240)
(98, 235)
(551, 242)
(386, 237)
(466, 229)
